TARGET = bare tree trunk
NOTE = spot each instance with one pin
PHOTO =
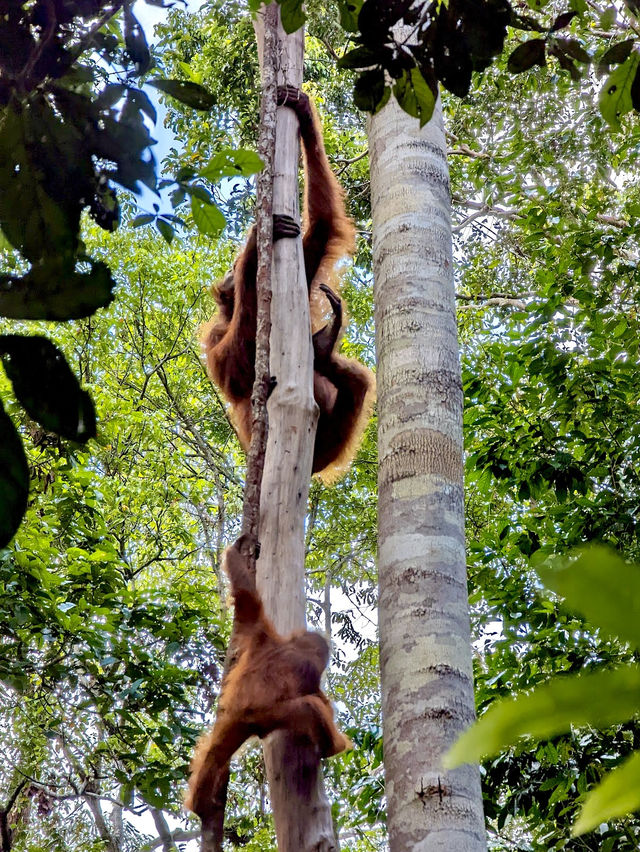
(301, 810)
(427, 683)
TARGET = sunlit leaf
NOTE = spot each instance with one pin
(231, 163)
(599, 698)
(600, 585)
(415, 96)
(207, 217)
(617, 795)
(615, 96)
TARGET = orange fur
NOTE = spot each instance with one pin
(273, 683)
(344, 389)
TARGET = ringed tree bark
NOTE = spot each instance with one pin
(301, 809)
(425, 652)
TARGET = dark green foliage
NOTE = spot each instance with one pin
(526, 55)
(447, 42)
(44, 384)
(14, 479)
(191, 94)
(66, 140)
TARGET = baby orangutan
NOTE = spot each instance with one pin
(273, 682)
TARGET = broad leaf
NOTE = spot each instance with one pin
(292, 15)
(231, 163)
(136, 42)
(599, 698)
(349, 11)
(562, 21)
(617, 795)
(360, 57)
(635, 91)
(615, 96)
(415, 96)
(616, 54)
(600, 585)
(369, 91)
(52, 293)
(142, 219)
(46, 387)
(36, 222)
(14, 479)
(187, 92)
(166, 230)
(527, 55)
(207, 217)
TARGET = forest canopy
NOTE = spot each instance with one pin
(118, 453)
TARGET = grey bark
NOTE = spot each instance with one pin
(425, 652)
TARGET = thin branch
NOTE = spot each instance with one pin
(496, 301)
(12, 798)
(180, 835)
(43, 44)
(347, 163)
(465, 151)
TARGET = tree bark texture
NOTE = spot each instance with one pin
(264, 239)
(302, 812)
(425, 652)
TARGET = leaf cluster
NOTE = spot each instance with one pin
(606, 591)
(417, 45)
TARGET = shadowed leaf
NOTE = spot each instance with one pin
(46, 387)
(14, 479)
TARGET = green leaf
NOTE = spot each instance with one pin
(46, 387)
(616, 54)
(615, 96)
(33, 220)
(598, 698)
(142, 219)
(562, 21)
(231, 163)
(14, 479)
(635, 91)
(617, 795)
(166, 230)
(608, 18)
(110, 95)
(573, 48)
(359, 57)
(52, 293)
(414, 95)
(600, 585)
(369, 91)
(188, 71)
(207, 217)
(186, 91)
(292, 15)
(349, 11)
